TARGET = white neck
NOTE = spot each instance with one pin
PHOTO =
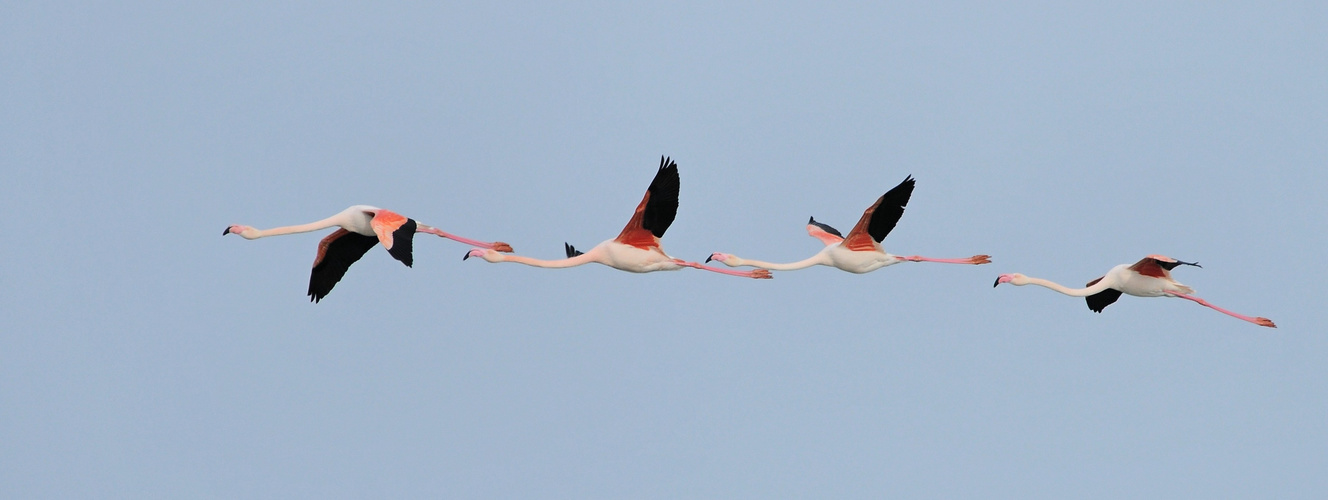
(816, 260)
(1101, 285)
(302, 228)
(585, 258)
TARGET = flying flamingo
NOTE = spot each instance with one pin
(362, 227)
(637, 249)
(1150, 277)
(860, 251)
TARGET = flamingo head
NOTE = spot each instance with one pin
(726, 258)
(484, 253)
(245, 232)
(1013, 279)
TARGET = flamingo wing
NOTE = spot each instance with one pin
(570, 250)
(335, 255)
(1169, 263)
(657, 209)
(880, 218)
(823, 232)
(397, 234)
(1151, 266)
(1100, 300)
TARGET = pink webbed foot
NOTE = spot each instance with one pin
(502, 247)
(1262, 321)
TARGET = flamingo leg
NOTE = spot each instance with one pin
(497, 245)
(1258, 321)
(760, 274)
(976, 259)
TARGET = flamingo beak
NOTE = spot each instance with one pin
(227, 231)
(710, 257)
(997, 283)
(466, 256)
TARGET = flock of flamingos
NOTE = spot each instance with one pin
(637, 249)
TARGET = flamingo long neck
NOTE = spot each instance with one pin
(815, 260)
(301, 228)
(585, 258)
(1073, 292)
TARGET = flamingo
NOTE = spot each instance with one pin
(1150, 277)
(860, 251)
(362, 226)
(637, 249)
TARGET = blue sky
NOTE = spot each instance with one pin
(145, 355)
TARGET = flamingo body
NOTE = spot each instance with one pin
(637, 248)
(631, 258)
(1150, 277)
(360, 228)
(861, 251)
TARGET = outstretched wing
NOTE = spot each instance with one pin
(1100, 300)
(1149, 266)
(397, 234)
(823, 232)
(880, 218)
(335, 255)
(657, 209)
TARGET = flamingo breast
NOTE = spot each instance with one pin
(635, 259)
(358, 219)
(1138, 285)
(858, 262)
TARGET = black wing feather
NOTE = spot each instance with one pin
(402, 241)
(571, 250)
(826, 227)
(1100, 300)
(1172, 265)
(889, 209)
(340, 254)
(663, 204)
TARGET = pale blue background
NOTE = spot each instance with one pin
(143, 355)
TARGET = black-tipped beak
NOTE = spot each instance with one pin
(226, 231)
(997, 283)
(466, 256)
(708, 258)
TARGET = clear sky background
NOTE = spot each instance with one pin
(144, 355)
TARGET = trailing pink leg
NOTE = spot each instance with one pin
(760, 274)
(1258, 321)
(497, 245)
(976, 259)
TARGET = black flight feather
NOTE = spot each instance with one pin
(402, 240)
(824, 227)
(571, 250)
(1100, 300)
(662, 206)
(1172, 265)
(889, 209)
(340, 254)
